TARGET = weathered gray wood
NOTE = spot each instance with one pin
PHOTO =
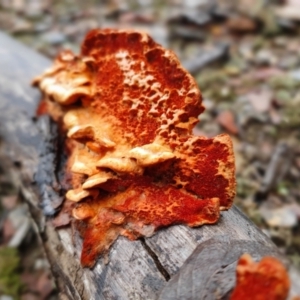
(137, 270)
(217, 256)
(183, 241)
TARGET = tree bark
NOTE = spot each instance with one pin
(176, 263)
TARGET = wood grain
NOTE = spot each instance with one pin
(136, 270)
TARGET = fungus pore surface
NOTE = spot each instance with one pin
(128, 109)
(267, 279)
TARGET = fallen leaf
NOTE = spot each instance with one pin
(30, 296)
(227, 120)
(290, 12)
(8, 230)
(241, 24)
(275, 116)
(131, 17)
(284, 216)
(44, 285)
(293, 3)
(9, 202)
(38, 283)
(261, 100)
(265, 73)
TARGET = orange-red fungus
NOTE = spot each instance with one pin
(128, 109)
(267, 279)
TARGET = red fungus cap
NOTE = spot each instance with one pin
(267, 279)
(128, 108)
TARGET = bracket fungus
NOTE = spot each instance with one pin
(267, 279)
(128, 109)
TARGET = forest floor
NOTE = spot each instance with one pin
(245, 56)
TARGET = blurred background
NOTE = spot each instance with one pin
(245, 56)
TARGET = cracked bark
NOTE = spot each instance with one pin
(156, 260)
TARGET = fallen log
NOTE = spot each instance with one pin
(176, 263)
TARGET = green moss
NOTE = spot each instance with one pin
(10, 282)
(211, 78)
(283, 82)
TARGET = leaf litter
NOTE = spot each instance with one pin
(254, 80)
